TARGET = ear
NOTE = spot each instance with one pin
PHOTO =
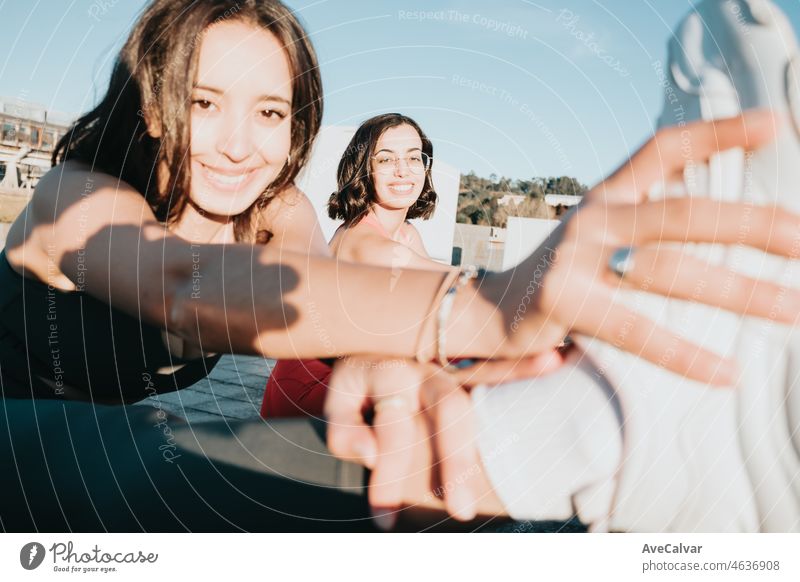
(153, 126)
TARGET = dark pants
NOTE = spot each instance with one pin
(76, 466)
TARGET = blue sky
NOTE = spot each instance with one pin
(503, 88)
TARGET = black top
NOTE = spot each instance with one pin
(57, 344)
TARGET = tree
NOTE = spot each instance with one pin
(478, 197)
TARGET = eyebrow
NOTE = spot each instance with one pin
(216, 91)
(392, 151)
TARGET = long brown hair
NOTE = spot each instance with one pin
(152, 83)
(355, 189)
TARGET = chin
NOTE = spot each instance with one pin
(400, 204)
(223, 194)
(227, 207)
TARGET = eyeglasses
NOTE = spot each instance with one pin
(417, 163)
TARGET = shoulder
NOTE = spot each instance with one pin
(337, 238)
(412, 232)
(374, 249)
(63, 178)
(290, 201)
(415, 239)
(78, 180)
(81, 209)
(293, 222)
(292, 195)
(74, 188)
(361, 244)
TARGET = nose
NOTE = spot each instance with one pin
(401, 168)
(234, 139)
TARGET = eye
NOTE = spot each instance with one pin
(273, 114)
(415, 158)
(384, 160)
(203, 104)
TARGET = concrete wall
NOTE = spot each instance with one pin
(482, 246)
(3, 232)
(523, 235)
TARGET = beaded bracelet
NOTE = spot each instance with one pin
(421, 356)
(446, 307)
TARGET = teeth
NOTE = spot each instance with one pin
(402, 188)
(226, 179)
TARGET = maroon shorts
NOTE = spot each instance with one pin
(296, 388)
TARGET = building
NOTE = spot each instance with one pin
(28, 135)
(562, 202)
(515, 199)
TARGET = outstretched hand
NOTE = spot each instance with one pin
(567, 286)
(422, 430)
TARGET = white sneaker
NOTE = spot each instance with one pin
(696, 458)
(692, 458)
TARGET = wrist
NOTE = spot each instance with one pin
(477, 327)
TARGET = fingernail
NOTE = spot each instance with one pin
(551, 361)
(366, 453)
(462, 504)
(384, 519)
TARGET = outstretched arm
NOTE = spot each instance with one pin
(98, 234)
(258, 300)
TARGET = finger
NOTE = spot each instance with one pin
(632, 332)
(456, 452)
(672, 148)
(700, 220)
(499, 371)
(677, 274)
(395, 434)
(348, 436)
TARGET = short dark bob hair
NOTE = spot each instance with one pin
(355, 190)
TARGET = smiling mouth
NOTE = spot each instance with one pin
(226, 180)
(402, 188)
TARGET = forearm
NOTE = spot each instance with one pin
(258, 300)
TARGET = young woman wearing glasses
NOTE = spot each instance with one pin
(383, 180)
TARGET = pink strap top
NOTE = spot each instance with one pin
(369, 219)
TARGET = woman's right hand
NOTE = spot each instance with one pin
(422, 436)
(566, 286)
